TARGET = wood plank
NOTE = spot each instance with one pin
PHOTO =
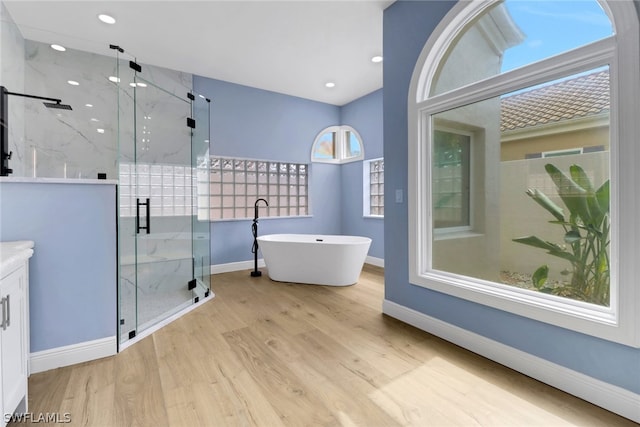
(263, 353)
(295, 403)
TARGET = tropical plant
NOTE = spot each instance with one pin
(585, 238)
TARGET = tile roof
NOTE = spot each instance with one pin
(579, 97)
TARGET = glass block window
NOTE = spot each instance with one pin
(235, 185)
(168, 188)
(451, 169)
(374, 187)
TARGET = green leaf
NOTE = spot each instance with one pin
(602, 195)
(546, 203)
(539, 277)
(538, 243)
(603, 263)
(573, 195)
(572, 236)
(580, 177)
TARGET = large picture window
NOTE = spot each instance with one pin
(533, 235)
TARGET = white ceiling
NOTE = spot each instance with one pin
(290, 47)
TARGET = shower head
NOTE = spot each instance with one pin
(57, 105)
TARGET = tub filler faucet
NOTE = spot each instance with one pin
(254, 231)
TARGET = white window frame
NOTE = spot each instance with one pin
(566, 152)
(619, 322)
(366, 188)
(340, 155)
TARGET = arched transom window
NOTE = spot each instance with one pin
(523, 140)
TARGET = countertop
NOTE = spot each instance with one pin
(13, 254)
(26, 180)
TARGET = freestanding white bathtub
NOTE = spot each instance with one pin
(314, 259)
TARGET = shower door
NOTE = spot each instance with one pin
(163, 202)
(157, 221)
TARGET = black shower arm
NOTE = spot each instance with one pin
(57, 101)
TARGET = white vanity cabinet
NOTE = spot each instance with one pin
(14, 326)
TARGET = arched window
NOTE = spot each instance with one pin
(337, 144)
(522, 133)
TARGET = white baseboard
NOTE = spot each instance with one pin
(236, 266)
(58, 357)
(378, 262)
(248, 265)
(600, 393)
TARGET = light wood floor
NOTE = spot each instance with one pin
(263, 353)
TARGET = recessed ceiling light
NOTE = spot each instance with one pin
(73, 82)
(377, 58)
(100, 130)
(132, 84)
(330, 84)
(58, 47)
(88, 105)
(107, 19)
(142, 84)
(93, 119)
(114, 79)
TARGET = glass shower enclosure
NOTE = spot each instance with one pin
(163, 238)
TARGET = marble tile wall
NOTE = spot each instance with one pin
(83, 142)
(12, 67)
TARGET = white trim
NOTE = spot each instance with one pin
(340, 145)
(28, 180)
(620, 52)
(378, 262)
(262, 218)
(565, 152)
(600, 393)
(164, 322)
(236, 266)
(249, 265)
(71, 354)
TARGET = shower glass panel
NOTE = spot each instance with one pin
(163, 245)
(201, 107)
(163, 203)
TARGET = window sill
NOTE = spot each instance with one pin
(373, 216)
(262, 218)
(458, 234)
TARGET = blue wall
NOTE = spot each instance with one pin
(254, 123)
(407, 26)
(365, 116)
(72, 289)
